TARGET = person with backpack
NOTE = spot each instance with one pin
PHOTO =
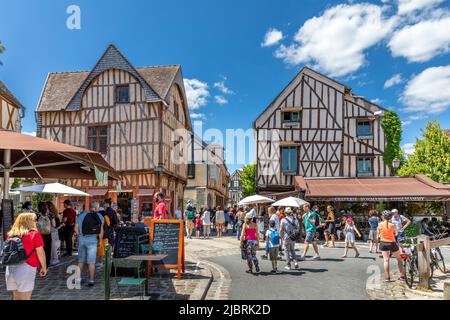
(311, 221)
(189, 215)
(23, 253)
(290, 233)
(89, 228)
(273, 240)
(45, 223)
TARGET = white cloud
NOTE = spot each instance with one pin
(395, 79)
(376, 101)
(411, 119)
(33, 133)
(272, 37)
(197, 116)
(409, 6)
(336, 41)
(197, 93)
(222, 87)
(422, 41)
(408, 148)
(428, 92)
(220, 100)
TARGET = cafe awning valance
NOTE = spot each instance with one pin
(417, 188)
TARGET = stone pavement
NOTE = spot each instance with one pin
(163, 286)
(398, 290)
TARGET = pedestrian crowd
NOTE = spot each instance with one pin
(39, 237)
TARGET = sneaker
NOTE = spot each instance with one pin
(316, 257)
(296, 265)
(357, 255)
(257, 269)
(90, 283)
(83, 281)
(288, 267)
(273, 271)
(277, 271)
(344, 256)
(249, 271)
(301, 258)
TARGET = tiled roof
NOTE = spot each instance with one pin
(60, 87)
(4, 91)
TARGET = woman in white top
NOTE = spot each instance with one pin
(220, 221)
(206, 219)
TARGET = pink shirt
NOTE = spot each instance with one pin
(160, 211)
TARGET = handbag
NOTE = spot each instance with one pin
(244, 251)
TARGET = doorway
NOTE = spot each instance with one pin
(124, 205)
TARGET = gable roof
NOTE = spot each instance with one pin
(4, 91)
(313, 73)
(60, 87)
(64, 90)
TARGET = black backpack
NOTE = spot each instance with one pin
(14, 252)
(294, 232)
(91, 224)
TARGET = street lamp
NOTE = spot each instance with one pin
(395, 164)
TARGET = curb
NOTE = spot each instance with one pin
(201, 290)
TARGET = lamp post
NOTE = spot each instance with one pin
(395, 165)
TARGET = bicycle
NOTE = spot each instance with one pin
(410, 262)
(436, 257)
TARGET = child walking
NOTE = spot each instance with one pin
(273, 242)
(198, 225)
(350, 230)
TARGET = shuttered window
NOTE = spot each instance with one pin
(289, 159)
(365, 167)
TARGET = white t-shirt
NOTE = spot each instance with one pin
(275, 218)
(268, 236)
(253, 213)
(206, 218)
(398, 221)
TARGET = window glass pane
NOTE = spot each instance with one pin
(295, 116)
(103, 145)
(364, 128)
(103, 131)
(368, 166)
(93, 144)
(285, 159)
(293, 159)
(286, 116)
(93, 131)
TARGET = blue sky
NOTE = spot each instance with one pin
(232, 75)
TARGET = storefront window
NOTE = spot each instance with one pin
(146, 206)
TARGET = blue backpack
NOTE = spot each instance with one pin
(274, 237)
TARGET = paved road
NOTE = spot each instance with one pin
(330, 278)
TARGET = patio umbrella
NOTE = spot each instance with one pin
(255, 199)
(54, 188)
(289, 202)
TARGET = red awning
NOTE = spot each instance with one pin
(373, 189)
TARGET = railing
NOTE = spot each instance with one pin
(424, 247)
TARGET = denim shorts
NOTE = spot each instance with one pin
(401, 237)
(87, 251)
(310, 237)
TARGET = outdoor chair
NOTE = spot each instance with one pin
(128, 281)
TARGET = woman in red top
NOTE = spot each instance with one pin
(20, 278)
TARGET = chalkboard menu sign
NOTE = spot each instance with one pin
(167, 237)
(126, 243)
(7, 218)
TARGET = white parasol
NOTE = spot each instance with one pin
(289, 202)
(255, 199)
(55, 188)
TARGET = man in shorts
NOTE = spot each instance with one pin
(401, 223)
(309, 219)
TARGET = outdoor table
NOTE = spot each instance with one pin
(147, 258)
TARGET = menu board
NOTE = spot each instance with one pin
(167, 237)
(127, 241)
(7, 218)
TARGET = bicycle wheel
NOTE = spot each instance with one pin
(439, 260)
(409, 272)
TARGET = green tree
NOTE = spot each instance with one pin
(2, 49)
(16, 184)
(392, 127)
(431, 156)
(248, 180)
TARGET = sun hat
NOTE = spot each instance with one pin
(386, 214)
(249, 216)
(349, 219)
(394, 211)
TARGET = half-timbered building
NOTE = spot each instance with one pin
(127, 113)
(208, 176)
(11, 110)
(317, 128)
(235, 188)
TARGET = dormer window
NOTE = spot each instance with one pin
(291, 114)
(122, 94)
